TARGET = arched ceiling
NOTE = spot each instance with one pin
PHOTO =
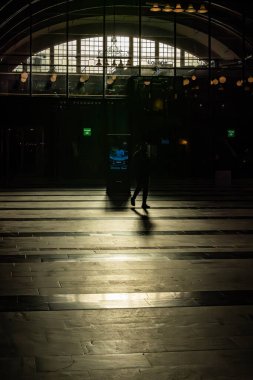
(229, 22)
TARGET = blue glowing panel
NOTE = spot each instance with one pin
(118, 158)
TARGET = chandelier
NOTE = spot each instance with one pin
(115, 54)
(177, 8)
(113, 51)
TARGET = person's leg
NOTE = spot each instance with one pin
(136, 192)
(145, 193)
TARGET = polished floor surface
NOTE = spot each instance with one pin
(91, 288)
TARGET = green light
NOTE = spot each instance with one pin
(231, 133)
(86, 132)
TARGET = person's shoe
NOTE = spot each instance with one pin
(145, 206)
(132, 201)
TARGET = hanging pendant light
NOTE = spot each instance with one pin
(168, 8)
(155, 8)
(202, 9)
(178, 9)
(120, 64)
(190, 9)
(99, 62)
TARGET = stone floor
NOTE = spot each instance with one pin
(91, 288)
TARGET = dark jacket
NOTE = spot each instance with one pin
(141, 163)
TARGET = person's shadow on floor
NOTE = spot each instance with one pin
(146, 224)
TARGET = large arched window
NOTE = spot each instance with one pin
(89, 54)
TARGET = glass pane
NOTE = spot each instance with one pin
(40, 62)
(47, 66)
(117, 50)
(161, 34)
(17, 46)
(90, 61)
(86, 28)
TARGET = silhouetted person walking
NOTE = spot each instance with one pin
(141, 164)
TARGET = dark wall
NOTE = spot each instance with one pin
(194, 129)
(43, 142)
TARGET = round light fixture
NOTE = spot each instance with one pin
(222, 79)
(84, 78)
(23, 76)
(53, 78)
(239, 83)
(183, 142)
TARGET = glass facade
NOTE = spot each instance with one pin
(94, 49)
(119, 60)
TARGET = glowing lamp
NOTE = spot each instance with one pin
(110, 81)
(23, 76)
(190, 9)
(222, 79)
(53, 78)
(168, 8)
(155, 8)
(239, 83)
(84, 78)
(178, 9)
(202, 9)
(183, 142)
